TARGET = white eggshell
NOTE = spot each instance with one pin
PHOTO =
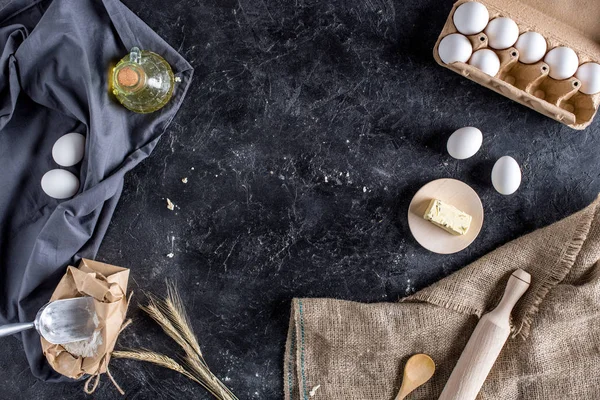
(471, 18)
(502, 33)
(506, 175)
(455, 47)
(486, 60)
(60, 184)
(532, 47)
(589, 75)
(563, 63)
(68, 149)
(464, 142)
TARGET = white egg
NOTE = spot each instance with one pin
(506, 175)
(563, 63)
(532, 47)
(486, 60)
(464, 142)
(471, 18)
(68, 149)
(60, 184)
(455, 47)
(589, 75)
(502, 33)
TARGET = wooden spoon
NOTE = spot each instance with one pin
(418, 370)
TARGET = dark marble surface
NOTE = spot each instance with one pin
(308, 127)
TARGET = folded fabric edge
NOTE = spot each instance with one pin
(559, 271)
(295, 378)
(442, 301)
(15, 7)
(289, 358)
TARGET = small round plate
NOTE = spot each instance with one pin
(450, 191)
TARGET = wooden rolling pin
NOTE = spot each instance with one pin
(485, 343)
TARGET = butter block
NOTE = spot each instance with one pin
(448, 217)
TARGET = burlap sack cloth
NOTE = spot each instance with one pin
(107, 284)
(357, 351)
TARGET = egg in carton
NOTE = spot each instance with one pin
(531, 51)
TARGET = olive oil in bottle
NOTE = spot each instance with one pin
(143, 81)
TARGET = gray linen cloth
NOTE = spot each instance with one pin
(54, 63)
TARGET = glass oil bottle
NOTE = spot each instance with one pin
(143, 81)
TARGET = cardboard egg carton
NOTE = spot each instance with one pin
(570, 23)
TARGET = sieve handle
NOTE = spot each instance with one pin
(11, 329)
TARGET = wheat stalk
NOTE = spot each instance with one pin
(180, 318)
(154, 310)
(201, 369)
(170, 314)
(154, 358)
(162, 361)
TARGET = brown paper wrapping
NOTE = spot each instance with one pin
(107, 284)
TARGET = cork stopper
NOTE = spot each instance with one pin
(128, 77)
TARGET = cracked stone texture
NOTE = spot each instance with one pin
(307, 129)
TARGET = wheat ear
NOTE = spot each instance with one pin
(170, 314)
(180, 318)
(166, 362)
(172, 308)
(155, 358)
(153, 309)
